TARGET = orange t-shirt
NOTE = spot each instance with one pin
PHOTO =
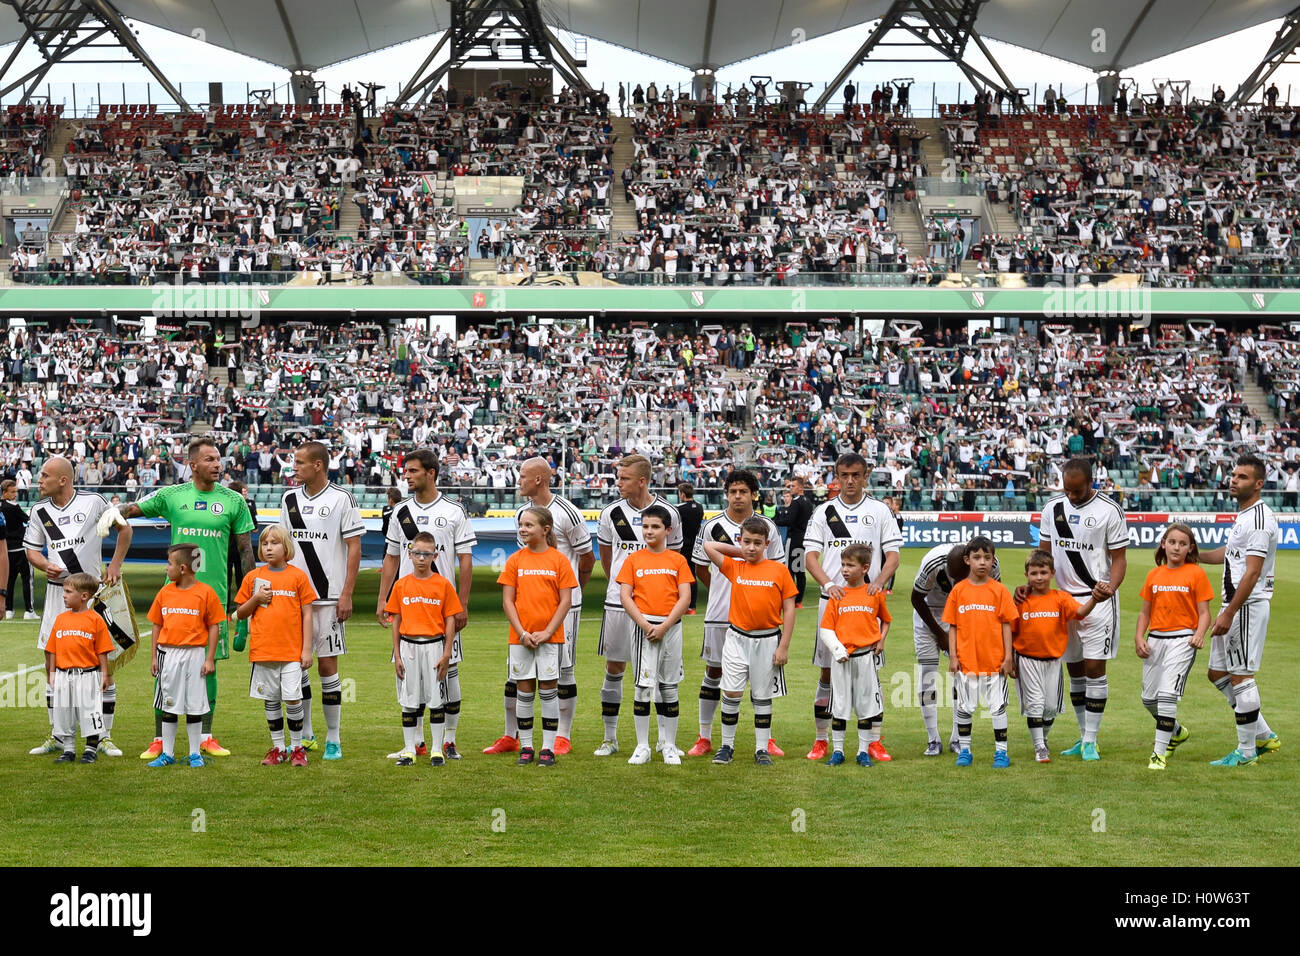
(183, 617)
(655, 579)
(275, 631)
(423, 605)
(1174, 594)
(78, 638)
(539, 579)
(757, 593)
(977, 613)
(856, 617)
(1043, 628)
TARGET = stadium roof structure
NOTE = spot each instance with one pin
(311, 34)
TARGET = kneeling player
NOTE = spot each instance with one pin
(186, 617)
(537, 583)
(1040, 637)
(655, 589)
(854, 629)
(980, 611)
(760, 623)
(278, 598)
(1176, 608)
(423, 606)
(76, 665)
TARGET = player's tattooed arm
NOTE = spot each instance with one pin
(131, 511)
(1254, 567)
(244, 545)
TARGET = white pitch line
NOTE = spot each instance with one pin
(25, 670)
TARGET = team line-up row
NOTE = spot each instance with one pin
(851, 549)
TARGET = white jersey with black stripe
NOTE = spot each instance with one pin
(320, 526)
(572, 538)
(69, 532)
(446, 520)
(723, 529)
(619, 529)
(1080, 540)
(835, 525)
(1254, 534)
(932, 581)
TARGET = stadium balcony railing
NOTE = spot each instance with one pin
(479, 500)
(1285, 278)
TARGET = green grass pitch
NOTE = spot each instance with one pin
(485, 810)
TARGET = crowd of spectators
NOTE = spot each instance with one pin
(979, 424)
(24, 138)
(731, 193)
(1195, 194)
(742, 188)
(217, 196)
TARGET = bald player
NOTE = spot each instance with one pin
(573, 540)
(618, 533)
(62, 539)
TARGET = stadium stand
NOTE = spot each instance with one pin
(977, 424)
(723, 192)
(1197, 196)
(716, 194)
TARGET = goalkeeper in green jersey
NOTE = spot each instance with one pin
(207, 515)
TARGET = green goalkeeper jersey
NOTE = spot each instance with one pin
(208, 519)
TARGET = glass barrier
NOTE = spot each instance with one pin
(925, 99)
(178, 280)
(32, 186)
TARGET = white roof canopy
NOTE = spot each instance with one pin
(693, 33)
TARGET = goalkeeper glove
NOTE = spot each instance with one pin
(108, 520)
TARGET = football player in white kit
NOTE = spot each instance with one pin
(325, 523)
(573, 540)
(62, 526)
(619, 534)
(1086, 533)
(740, 488)
(429, 510)
(852, 516)
(1239, 631)
(941, 568)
